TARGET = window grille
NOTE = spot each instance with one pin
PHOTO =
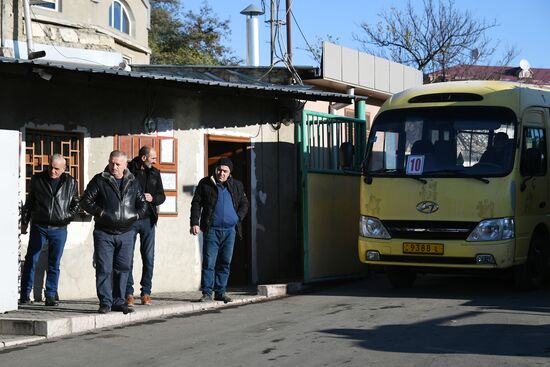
(41, 144)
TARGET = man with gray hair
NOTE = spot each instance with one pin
(116, 201)
(51, 204)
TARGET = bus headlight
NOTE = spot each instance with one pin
(372, 228)
(493, 230)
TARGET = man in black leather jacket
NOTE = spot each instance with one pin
(151, 184)
(51, 204)
(116, 201)
(221, 204)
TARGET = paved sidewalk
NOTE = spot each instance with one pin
(36, 322)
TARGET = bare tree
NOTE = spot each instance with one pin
(315, 51)
(433, 38)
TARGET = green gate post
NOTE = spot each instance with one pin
(304, 160)
(360, 113)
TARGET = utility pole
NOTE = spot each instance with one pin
(272, 27)
(288, 35)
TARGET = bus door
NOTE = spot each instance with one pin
(533, 201)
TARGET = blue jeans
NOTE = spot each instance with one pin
(146, 230)
(216, 260)
(112, 256)
(56, 238)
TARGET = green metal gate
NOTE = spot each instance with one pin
(332, 148)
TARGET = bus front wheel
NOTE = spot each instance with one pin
(533, 273)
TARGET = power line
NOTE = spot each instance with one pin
(304, 37)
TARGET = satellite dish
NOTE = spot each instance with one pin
(524, 65)
(525, 72)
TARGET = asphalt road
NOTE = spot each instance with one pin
(442, 321)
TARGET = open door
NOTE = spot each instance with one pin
(235, 148)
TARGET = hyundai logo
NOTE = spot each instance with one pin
(427, 207)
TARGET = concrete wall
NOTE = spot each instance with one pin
(99, 106)
(82, 25)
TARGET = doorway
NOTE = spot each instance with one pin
(236, 148)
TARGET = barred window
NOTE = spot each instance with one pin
(41, 144)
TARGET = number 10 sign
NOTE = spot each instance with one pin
(415, 164)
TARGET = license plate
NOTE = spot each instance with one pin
(423, 248)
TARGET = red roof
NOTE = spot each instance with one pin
(536, 76)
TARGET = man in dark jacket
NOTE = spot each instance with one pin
(51, 204)
(151, 184)
(116, 201)
(221, 204)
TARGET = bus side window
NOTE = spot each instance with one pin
(533, 147)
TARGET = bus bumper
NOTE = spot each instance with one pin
(455, 254)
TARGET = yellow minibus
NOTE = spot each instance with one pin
(455, 178)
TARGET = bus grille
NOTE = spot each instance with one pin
(429, 230)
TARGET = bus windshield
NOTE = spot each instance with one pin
(442, 141)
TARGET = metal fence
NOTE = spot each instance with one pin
(331, 143)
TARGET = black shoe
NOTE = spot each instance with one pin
(51, 301)
(25, 301)
(123, 308)
(224, 297)
(104, 309)
(205, 298)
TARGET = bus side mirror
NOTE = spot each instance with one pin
(531, 162)
(346, 155)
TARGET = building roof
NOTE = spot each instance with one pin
(257, 75)
(537, 76)
(242, 85)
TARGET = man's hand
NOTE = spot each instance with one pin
(195, 230)
(24, 228)
(148, 197)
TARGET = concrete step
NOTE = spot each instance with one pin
(7, 341)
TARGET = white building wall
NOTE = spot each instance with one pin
(177, 252)
(9, 214)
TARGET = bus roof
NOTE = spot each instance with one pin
(515, 96)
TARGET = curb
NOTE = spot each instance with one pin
(59, 327)
(17, 331)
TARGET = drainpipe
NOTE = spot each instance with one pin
(28, 30)
(2, 25)
(31, 54)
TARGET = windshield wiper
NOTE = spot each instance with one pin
(460, 173)
(417, 179)
(386, 170)
(382, 170)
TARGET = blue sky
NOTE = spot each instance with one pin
(522, 23)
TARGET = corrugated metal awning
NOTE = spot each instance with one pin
(257, 89)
